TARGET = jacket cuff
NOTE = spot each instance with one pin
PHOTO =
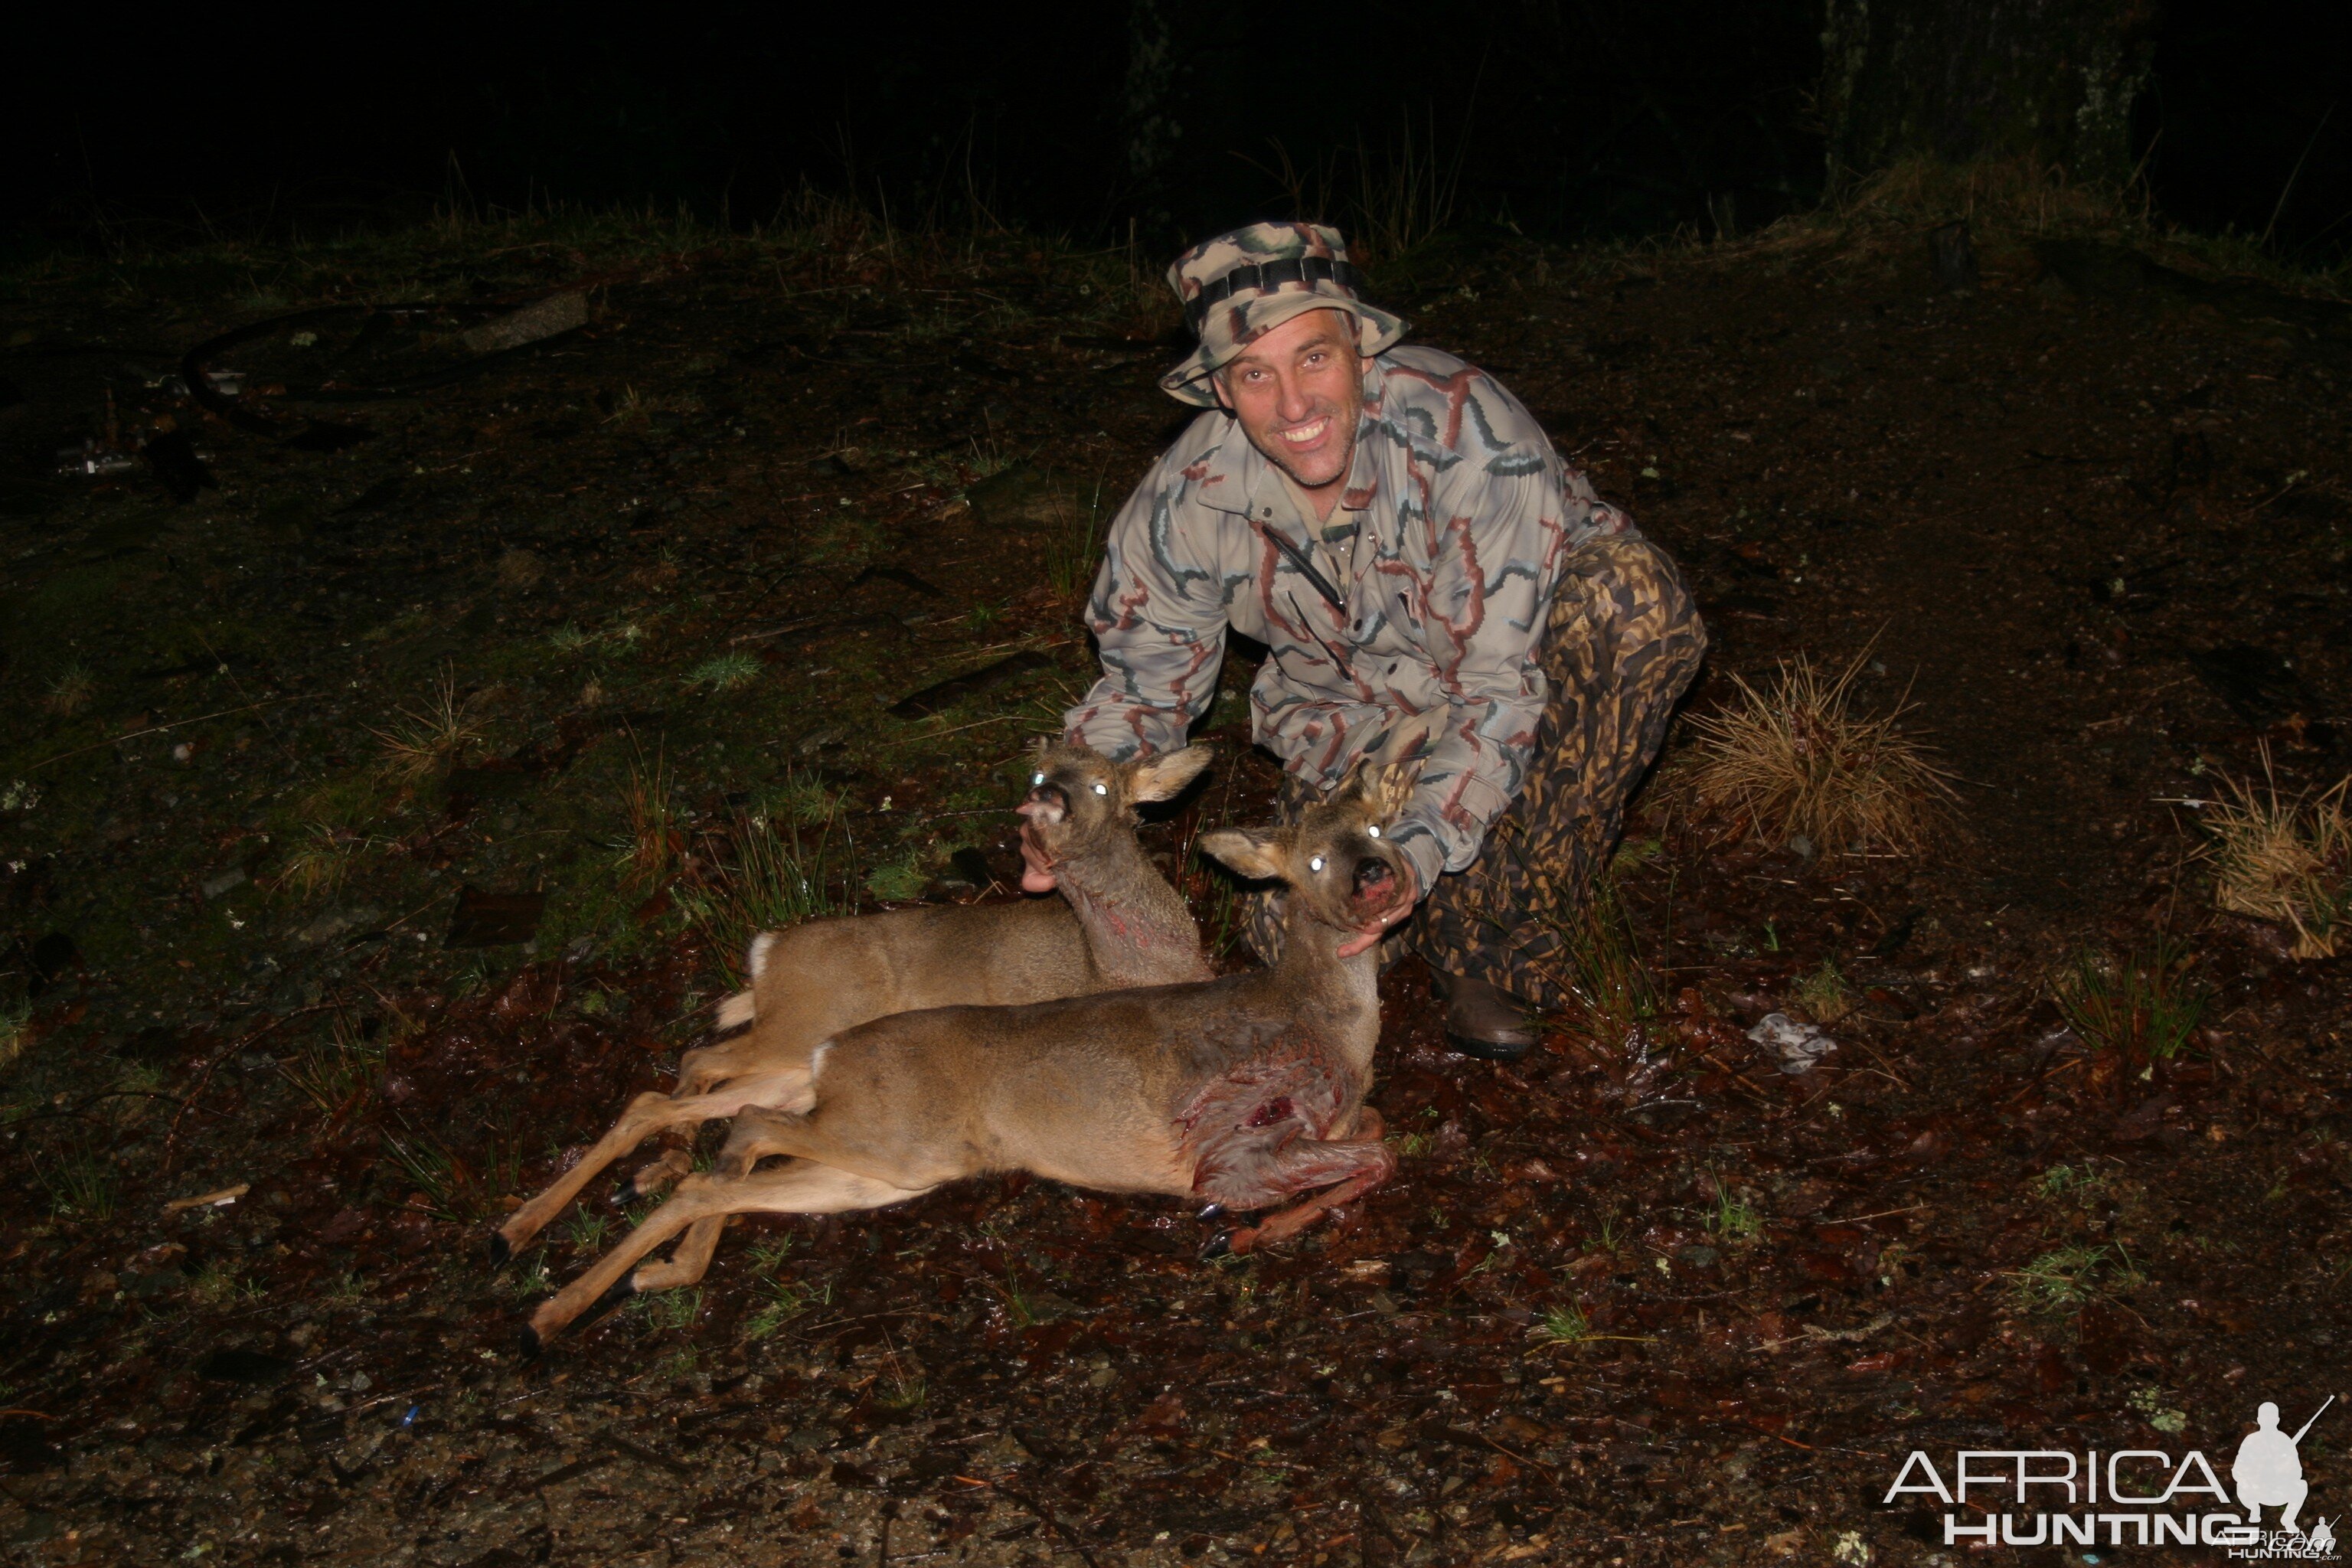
(1419, 843)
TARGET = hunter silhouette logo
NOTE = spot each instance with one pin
(2268, 1471)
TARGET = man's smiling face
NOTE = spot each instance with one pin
(1298, 393)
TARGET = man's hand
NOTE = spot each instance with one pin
(1405, 891)
(1036, 868)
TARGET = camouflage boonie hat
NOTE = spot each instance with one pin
(1240, 286)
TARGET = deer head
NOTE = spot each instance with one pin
(1081, 801)
(1337, 858)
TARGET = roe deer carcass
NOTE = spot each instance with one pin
(1118, 923)
(1244, 1090)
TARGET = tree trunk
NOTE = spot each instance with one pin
(2051, 80)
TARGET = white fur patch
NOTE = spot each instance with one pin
(816, 1063)
(761, 945)
(735, 1011)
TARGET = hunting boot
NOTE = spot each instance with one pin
(1486, 1021)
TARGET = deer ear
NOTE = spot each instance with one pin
(1391, 786)
(1256, 854)
(1164, 778)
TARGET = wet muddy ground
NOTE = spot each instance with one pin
(786, 539)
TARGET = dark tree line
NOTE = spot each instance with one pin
(1559, 117)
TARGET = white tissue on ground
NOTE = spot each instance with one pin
(1800, 1047)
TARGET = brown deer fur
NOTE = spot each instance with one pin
(1119, 923)
(1246, 1090)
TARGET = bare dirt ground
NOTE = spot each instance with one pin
(1643, 1298)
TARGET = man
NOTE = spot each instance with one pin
(1429, 580)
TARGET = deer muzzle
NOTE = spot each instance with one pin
(1047, 804)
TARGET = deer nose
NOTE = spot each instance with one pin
(1372, 877)
(1047, 803)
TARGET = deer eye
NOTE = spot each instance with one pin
(1373, 829)
(1036, 781)
(1316, 864)
(1102, 789)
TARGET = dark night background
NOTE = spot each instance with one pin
(1598, 118)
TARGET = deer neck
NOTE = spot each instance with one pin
(1340, 995)
(1136, 927)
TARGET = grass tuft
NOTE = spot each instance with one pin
(320, 861)
(1615, 995)
(2285, 861)
(1798, 761)
(428, 739)
(16, 1030)
(1823, 993)
(656, 827)
(2143, 1007)
(2059, 1281)
(673, 1309)
(1073, 551)
(773, 879)
(71, 692)
(80, 1179)
(338, 1074)
(1734, 1219)
(726, 672)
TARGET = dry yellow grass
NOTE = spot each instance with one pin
(2288, 861)
(430, 738)
(71, 692)
(1798, 761)
(320, 862)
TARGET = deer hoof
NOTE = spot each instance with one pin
(528, 1343)
(1211, 1215)
(611, 1300)
(625, 1192)
(1217, 1245)
(500, 1252)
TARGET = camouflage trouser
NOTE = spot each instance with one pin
(1622, 644)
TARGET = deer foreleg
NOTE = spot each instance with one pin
(1344, 1170)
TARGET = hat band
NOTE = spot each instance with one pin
(1265, 276)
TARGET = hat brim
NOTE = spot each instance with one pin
(1376, 330)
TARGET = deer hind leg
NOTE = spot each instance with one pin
(797, 1189)
(704, 1068)
(647, 1114)
(656, 1176)
(687, 1261)
(758, 1132)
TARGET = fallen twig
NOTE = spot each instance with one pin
(159, 729)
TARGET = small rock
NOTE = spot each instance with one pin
(220, 882)
(323, 927)
(544, 319)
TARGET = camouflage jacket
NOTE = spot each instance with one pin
(1439, 563)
